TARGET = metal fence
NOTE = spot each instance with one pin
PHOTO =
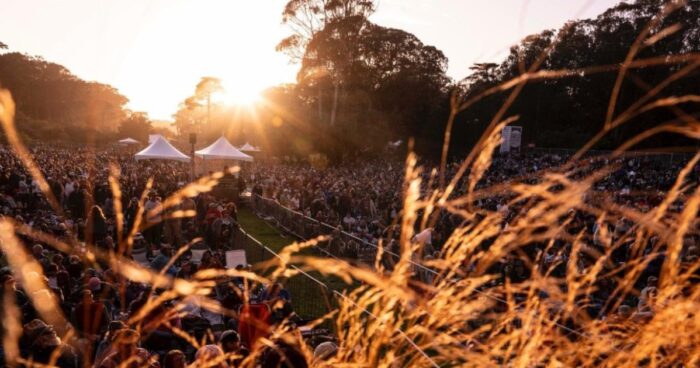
(341, 244)
(311, 295)
(649, 156)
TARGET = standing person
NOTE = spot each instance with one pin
(153, 208)
(130, 215)
(173, 227)
(96, 229)
(90, 317)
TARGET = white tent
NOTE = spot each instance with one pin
(247, 147)
(152, 138)
(161, 149)
(128, 141)
(223, 150)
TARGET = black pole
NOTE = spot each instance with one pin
(193, 140)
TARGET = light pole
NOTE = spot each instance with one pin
(193, 141)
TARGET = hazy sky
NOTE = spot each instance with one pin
(155, 51)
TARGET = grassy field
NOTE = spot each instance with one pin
(307, 295)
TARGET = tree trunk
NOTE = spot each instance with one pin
(334, 110)
(209, 111)
(320, 103)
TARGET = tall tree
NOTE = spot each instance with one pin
(307, 17)
(206, 87)
(370, 75)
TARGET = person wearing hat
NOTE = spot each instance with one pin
(40, 341)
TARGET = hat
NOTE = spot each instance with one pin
(325, 350)
(35, 329)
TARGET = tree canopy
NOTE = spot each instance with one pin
(55, 105)
(361, 84)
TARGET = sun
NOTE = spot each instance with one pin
(241, 91)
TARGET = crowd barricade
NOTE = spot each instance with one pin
(341, 244)
(307, 301)
(658, 158)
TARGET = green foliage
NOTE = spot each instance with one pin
(55, 105)
(137, 126)
(361, 84)
(567, 112)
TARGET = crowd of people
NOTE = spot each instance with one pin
(113, 321)
(362, 200)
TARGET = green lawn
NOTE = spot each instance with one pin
(307, 296)
(260, 230)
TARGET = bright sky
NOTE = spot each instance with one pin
(155, 51)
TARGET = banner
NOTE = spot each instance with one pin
(516, 138)
(505, 140)
(511, 139)
(235, 258)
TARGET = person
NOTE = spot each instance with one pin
(173, 227)
(127, 353)
(210, 356)
(40, 342)
(90, 317)
(162, 259)
(186, 270)
(106, 345)
(279, 301)
(282, 354)
(231, 345)
(96, 226)
(154, 217)
(10, 284)
(175, 359)
(275, 292)
(130, 215)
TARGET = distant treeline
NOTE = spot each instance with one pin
(53, 105)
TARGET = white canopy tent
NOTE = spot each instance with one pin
(247, 147)
(152, 138)
(222, 150)
(161, 149)
(128, 141)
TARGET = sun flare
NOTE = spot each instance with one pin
(240, 92)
